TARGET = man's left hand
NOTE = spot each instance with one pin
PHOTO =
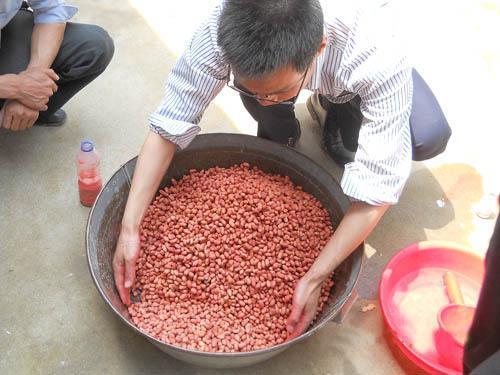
(304, 306)
(17, 117)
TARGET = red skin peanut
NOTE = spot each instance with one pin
(221, 252)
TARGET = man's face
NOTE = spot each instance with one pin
(284, 84)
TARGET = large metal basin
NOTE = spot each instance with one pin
(222, 150)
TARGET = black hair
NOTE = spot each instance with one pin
(258, 37)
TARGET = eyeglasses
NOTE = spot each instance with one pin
(257, 97)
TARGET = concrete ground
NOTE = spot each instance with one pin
(52, 319)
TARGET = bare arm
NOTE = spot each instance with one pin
(33, 89)
(154, 160)
(9, 86)
(45, 43)
(36, 84)
(355, 227)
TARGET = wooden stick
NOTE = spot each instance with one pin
(452, 288)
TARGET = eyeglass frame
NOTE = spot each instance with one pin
(256, 97)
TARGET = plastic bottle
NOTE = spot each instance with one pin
(89, 175)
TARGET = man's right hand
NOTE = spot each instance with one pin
(36, 86)
(126, 254)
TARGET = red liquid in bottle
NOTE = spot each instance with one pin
(89, 192)
(89, 177)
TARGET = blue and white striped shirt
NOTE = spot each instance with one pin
(361, 58)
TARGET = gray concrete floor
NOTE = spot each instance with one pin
(53, 321)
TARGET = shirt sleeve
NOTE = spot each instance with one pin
(196, 78)
(382, 78)
(51, 11)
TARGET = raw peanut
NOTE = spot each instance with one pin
(221, 252)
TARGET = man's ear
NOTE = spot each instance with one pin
(322, 46)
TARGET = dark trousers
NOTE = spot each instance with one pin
(85, 52)
(482, 350)
(429, 129)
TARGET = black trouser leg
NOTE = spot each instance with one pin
(85, 52)
(484, 336)
(275, 122)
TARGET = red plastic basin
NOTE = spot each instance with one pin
(412, 293)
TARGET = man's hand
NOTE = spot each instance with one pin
(17, 116)
(36, 86)
(126, 254)
(152, 163)
(355, 226)
(305, 304)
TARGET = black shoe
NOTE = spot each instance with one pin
(332, 139)
(58, 118)
(334, 146)
(292, 141)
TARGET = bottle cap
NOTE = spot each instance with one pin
(86, 145)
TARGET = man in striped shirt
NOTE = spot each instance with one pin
(268, 50)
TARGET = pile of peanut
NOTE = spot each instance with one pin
(221, 252)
